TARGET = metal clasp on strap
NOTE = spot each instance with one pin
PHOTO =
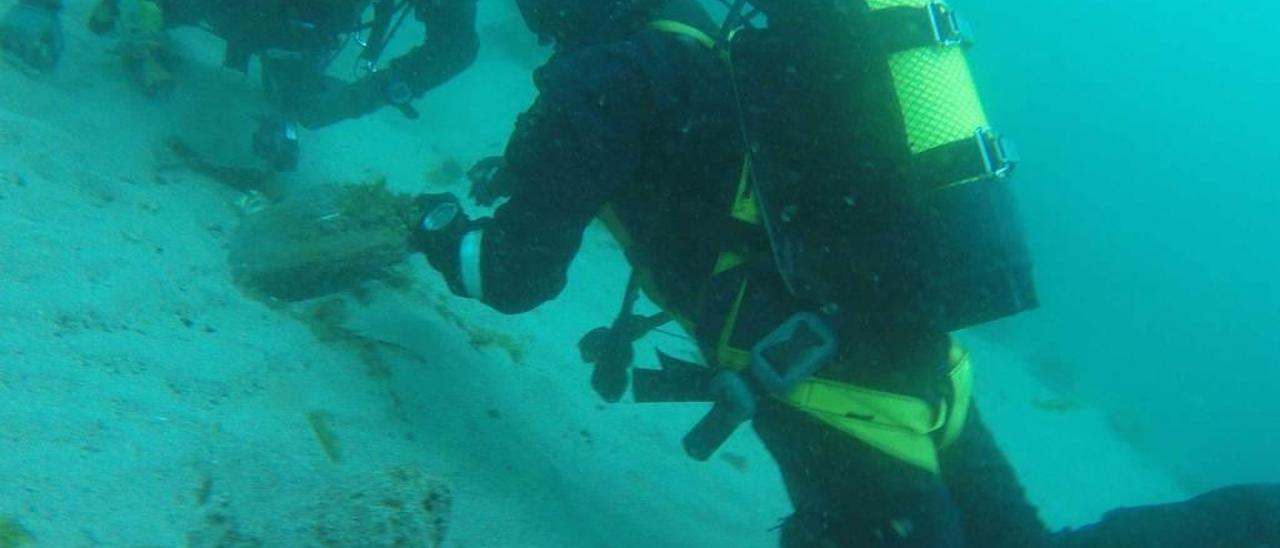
(998, 154)
(948, 28)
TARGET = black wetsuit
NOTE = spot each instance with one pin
(296, 45)
(644, 125)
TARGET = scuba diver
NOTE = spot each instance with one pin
(31, 35)
(819, 201)
(295, 40)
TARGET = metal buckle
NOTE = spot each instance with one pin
(999, 156)
(948, 28)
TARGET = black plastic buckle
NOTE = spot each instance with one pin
(948, 28)
(793, 352)
(735, 403)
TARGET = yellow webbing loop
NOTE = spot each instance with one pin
(727, 355)
(903, 427)
(962, 394)
(744, 209)
(684, 29)
(744, 202)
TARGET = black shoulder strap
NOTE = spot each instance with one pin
(381, 31)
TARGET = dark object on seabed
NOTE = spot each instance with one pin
(241, 178)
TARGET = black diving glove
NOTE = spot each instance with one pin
(340, 100)
(438, 235)
(611, 353)
(489, 180)
(276, 141)
(31, 32)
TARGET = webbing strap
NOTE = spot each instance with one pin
(904, 427)
(743, 209)
(961, 377)
(927, 24)
(983, 156)
(744, 202)
(902, 28)
(383, 11)
(729, 356)
(907, 428)
(686, 30)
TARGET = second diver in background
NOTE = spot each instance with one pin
(295, 40)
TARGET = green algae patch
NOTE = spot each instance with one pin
(238, 177)
(322, 425)
(481, 337)
(1056, 405)
(325, 319)
(323, 240)
(13, 534)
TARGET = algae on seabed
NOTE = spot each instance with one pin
(323, 240)
(13, 534)
(321, 424)
(479, 336)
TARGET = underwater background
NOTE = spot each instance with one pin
(1148, 131)
(145, 399)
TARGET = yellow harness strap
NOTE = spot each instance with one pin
(961, 377)
(684, 29)
(907, 428)
(904, 427)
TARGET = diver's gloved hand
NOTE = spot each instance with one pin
(340, 100)
(438, 235)
(611, 353)
(31, 32)
(489, 181)
(276, 141)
